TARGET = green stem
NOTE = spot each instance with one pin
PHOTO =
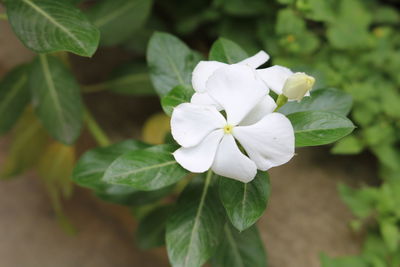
(98, 134)
(282, 100)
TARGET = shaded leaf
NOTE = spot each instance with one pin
(117, 20)
(56, 98)
(14, 97)
(244, 202)
(240, 249)
(170, 61)
(91, 166)
(151, 230)
(49, 26)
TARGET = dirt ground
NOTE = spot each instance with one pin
(304, 218)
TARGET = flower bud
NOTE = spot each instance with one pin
(298, 85)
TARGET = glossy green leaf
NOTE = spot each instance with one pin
(176, 96)
(224, 50)
(56, 98)
(332, 100)
(170, 61)
(145, 169)
(50, 26)
(126, 195)
(14, 97)
(313, 128)
(244, 202)
(151, 230)
(195, 226)
(119, 19)
(240, 249)
(92, 165)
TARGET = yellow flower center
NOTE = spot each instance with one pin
(228, 129)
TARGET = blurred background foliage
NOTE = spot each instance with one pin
(352, 45)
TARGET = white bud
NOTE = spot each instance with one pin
(298, 85)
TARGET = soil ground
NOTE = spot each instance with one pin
(304, 218)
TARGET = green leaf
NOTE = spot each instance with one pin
(56, 97)
(390, 233)
(240, 249)
(314, 128)
(146, 169)
(170, 61)
(353, 261)
(131, 79)
(176, 96)
(92, 165)
(126, 195)
(195, 225)
(332, 100)
(151, 230)
(117, 20)
(224, 50)
(14, 97)
(49, 26)
(244, 202)
(348, 145)
(288, 22)
(243, 7)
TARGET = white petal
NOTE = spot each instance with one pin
(275, 77)
(202, 72)
(190, 123)
(257, 60)
(238, 89)
(266, 106)
(199, 158)
(204, 99)
(232, 163)
(269, 142)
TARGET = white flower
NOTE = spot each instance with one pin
(274, 77)
(208, 138)
(297, 86)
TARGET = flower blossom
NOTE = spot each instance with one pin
(279, 79)
(250, 137)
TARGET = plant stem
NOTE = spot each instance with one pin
(98, 134)
(3, 16)
(207, 183)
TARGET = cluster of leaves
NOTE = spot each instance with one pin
(378, 210)
(213, 218)
(298, 33)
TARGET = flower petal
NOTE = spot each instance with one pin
(275, 77)
(256, 61)
(202, 72)
(199, 158)
(230, 162)
(266, 106)
(190, 123)
(204, 99)
(269, 142)
(238, 89)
